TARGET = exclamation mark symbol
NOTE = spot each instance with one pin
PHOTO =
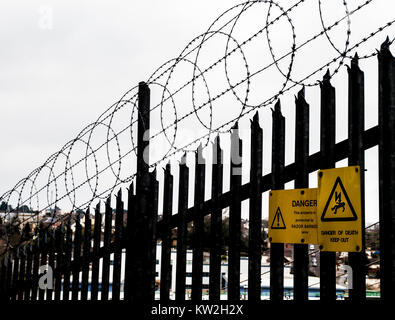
(278, 220)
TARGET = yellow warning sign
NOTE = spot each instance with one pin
(339, 209)
(292, 216)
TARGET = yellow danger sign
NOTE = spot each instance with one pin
(339, 209)
(292, 216)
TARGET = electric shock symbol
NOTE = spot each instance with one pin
(339, 204)
(278, 220)
(339, 210)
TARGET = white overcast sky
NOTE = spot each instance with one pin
(62, 63)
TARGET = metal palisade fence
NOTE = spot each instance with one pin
(80, 257)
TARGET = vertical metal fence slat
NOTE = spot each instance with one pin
(216, 223)
(86, 256)
(76, 258)
(165, 273)
(235, 216)
(356, 121)
(15, 273)
(116, 278)
(36, 261)
(59, 261)
(22, 269)
(142, 259)
(301, 257)
(129, 238)
(95, 254)
(67, 261)
(152, 231)
(3, 283)
(255, 212)
(328, 141)
(9, 276)
(278, 158)
(29, 261)
(198, 222)
(2, 278)
(106, 249)
(142, 270)
(43, 261)
(51, 261)
(182, 230)
(387, 170)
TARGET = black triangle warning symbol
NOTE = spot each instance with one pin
(338, 206)
(278, 220)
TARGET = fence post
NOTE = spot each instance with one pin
(2, 278)
(278, 158)
(141, 276)
(116, 279)
(36, 261)
(197, 258)
(165, 273)
(95, 253)
(59, 244)
(106, 247)
(356, 121)
(387, 170)
(235, 216)
(51, 259)
(67, 261)
(216, 219)
(255, 214)
(29, 260)
(9, 275)
(22, 268)
(15, 275)
(86, 255)
(182, 229)
(76, 258)
(43, 261)
(328, 122)
(152, 230)
(301, 257)
(129, 237)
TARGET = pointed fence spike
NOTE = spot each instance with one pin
(277, 106)
(385, 46)
(255, 118)
(327, 75)
(355, 60)
(301, 93)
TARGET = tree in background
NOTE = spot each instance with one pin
(24, 209)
